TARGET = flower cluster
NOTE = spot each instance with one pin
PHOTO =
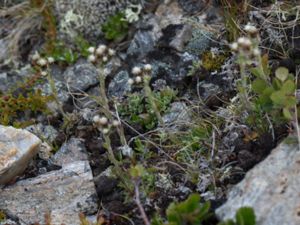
(100, 54)
(247, 45)
(104, 125)
(42, 63)
(141, 74)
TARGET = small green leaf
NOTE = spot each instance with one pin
(245, 216)
(259, 85)
(278, 98)
(228, 222)
(288, 87)
(282, 73)
(287, 114)
(256, 72)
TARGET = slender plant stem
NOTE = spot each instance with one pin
(139, 204)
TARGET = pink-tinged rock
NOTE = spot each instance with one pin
(17, 148)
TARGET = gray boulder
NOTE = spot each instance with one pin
(62, 194)
(271, 188)
(71, 151)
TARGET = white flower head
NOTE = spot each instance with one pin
(234, 46)
(138, 79)
(103, 121)
(91, 49)
(50, 60)
(250, 29)
(105, 130)
(36, 56)
(101, 49)
(104, 59)
(92, 58)
(116, 123)
(244, 41)
(111, 52)
(130, 81)
(42, 62)
(256, 52)
(148, 67)
(136, 70)
(44, 73)
(96, 119)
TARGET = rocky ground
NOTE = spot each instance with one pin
(83, 132)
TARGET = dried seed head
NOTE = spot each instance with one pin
(91, 50)
(136, 70)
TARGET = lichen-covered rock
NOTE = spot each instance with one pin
(271, 188)
(178, 115)
(81, 76)
(119, 86)
(62, 194)
(17, 148)
(84, 17)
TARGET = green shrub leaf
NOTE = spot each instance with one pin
(245, 216)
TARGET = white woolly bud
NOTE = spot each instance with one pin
(36, 56)
(130, 81)
(256, 52)
(44, 73)
(245, 42)
(92, 58)
(42, 62)
(101, 49)
(111, 52)
(250, 29)
(138, 79)
(104, 59)
(96, 119)
(136, 70)
(234, 46)
(105, 131)
(50, 60)
(148, 67)
(116, 123)
(103, 121)
(91, 50)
